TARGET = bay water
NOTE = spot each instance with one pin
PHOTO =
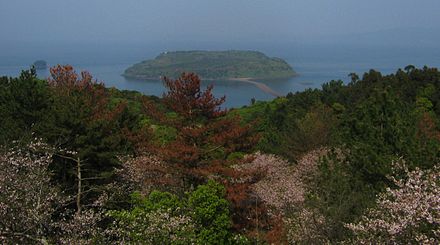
(314, 67)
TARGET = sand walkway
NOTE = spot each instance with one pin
(259, 85)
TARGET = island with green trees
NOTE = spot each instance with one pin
(222, 65)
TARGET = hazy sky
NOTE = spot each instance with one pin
(207, 20)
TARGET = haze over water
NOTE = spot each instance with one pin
(322, 40)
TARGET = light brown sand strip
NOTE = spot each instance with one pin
(260, 85)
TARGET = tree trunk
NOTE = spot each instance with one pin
(78, 195)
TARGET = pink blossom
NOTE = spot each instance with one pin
(409, 213)
(284, 184)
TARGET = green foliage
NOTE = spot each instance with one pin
(377, 130)
(374, 132)
(235, 156)
(313, 130)
(163, 134)
(423, 104)
(370, 122)
(210, 213)
(338, 195)
(333, 92)
(212, 65)
(157, 219)
(201, 218)
(157, 200)
(24, 101)
(89, 120)
(293, 125)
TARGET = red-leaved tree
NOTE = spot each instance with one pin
(204, 133)
(204, 136)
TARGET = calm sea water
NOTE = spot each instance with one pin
(313, 68)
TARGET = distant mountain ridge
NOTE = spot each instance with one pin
(227, 65)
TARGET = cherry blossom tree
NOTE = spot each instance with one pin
(282, 189)
(284, 183)
(407, 214)
(32, 208)
(27, 198)
(145, 173)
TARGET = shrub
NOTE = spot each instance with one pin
(210, 213)
(163, 218)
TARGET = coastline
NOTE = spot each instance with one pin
(263, 87)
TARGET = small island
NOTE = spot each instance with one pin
(40, 65)
(209, 65)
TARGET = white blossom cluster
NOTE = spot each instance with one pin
(147, 172)
(305, 227)
(284, 188)
(26, 196)
(28, 201)
(284, 183)
(407, 214)
(81, 228)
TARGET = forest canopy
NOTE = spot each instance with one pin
(81, 163)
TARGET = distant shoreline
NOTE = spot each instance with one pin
(263, 87)
(140, 77)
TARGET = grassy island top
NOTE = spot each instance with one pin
(225, 65)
